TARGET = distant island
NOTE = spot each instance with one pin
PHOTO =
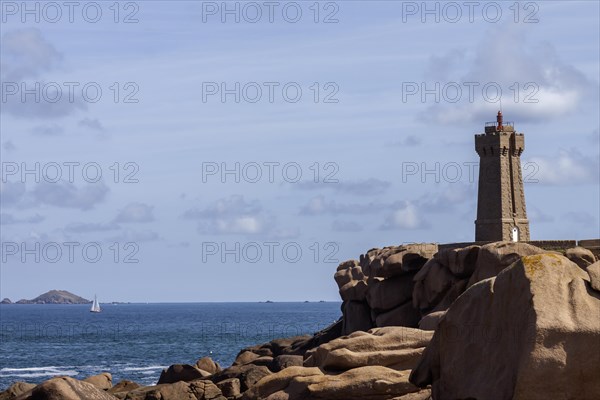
(52, 297)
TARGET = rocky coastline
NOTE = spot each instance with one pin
(503, 320)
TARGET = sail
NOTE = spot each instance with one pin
(95, 305)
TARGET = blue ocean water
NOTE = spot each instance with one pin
(136, 341)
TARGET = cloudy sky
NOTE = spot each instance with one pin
(190, 151)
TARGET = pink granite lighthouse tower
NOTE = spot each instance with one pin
(501, 212)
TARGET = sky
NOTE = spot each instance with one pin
(187, 151)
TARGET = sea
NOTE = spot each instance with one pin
(136, 341)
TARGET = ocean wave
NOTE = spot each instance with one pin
(22, 374)
(29, 369)
(146, 380)
(152, 367)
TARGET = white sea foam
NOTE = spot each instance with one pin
(148, 372)
(36, 372)
(49, 371)
(29, 369)
(149, 368)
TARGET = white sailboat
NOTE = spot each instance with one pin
(95, 305)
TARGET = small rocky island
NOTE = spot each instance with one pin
(52, 297)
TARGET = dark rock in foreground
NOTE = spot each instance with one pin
(532, 332)
(181, 372)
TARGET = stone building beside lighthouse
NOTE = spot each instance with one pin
(501, 213)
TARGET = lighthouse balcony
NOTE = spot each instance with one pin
(492, 127)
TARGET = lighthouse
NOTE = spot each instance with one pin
(501, 212)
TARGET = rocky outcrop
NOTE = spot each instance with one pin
(377, 289)
(363, 365)
(181, 372)
(494, 257)
(280, 383)
(281, 368)
(301, 383)
(247, 374)
(352, 281)
(581, 256)
(403, 315)
(101, 381)
(65, 388)
(123, 387)
(357, 317)
(431, 321)
(394, 347)
(387, 294)
(432, 283)
(362, 383)
(525, 334)
(197, 390)
(594, 274)
(15, 390)
(6, 300)
(230, 388)
(403, 285)
(208, 364)
(285, 361)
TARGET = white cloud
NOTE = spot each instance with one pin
(548, 87)
(131, 236)
(47, 130)
(60, 194)
(9, 219)
(581, 218)
(231, 206)
(405, 216)
(568, 167)
(447, 199)
(318, 205)
(242, 224)
(407, 141)
(346, 226)
(400, 214)
(85, 227)
(9, 146)
(93, 124)
(67, 195)
(25, 53)
(537, 216)
(233, 215)
(135, 213)
(12, 193)
(366, 187)
(441, 65)
(43, 109)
